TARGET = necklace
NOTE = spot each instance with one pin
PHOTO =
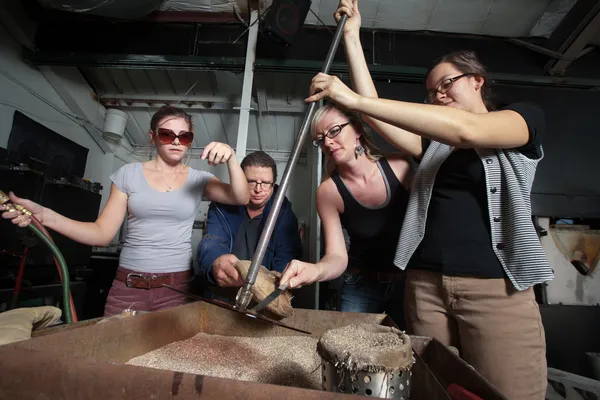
(168, 187)
(162, 176)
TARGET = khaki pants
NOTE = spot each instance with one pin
(497, 329)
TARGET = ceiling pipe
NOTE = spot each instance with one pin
(121, 9)
(237, 13)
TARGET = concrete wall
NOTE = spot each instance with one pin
(24, 88)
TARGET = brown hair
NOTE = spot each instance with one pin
(260, 159)
(371, 151)
(467, 62)
(170, 111)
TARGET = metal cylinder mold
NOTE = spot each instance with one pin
(367, 360)
(385, 385)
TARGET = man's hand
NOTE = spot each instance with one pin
(225, 273)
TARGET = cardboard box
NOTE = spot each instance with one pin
(87, 360)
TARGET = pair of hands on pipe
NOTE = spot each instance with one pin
(18, 217)
(324, 86)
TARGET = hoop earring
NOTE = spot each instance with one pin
(358, 151)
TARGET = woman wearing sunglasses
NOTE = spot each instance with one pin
(161, 198)
(365, 194)
(468, 243)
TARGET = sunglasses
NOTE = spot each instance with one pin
(167, 136)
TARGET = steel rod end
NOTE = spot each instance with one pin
(243, 297)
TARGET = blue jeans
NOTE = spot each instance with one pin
(360, 295)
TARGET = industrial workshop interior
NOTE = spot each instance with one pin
(300, 199)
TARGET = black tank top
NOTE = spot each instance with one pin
(374, 232)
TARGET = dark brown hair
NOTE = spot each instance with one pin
(467, 62)
(260, 159)
(172, 112)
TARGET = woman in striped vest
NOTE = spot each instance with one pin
(468, 242)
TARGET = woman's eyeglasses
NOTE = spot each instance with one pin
(333, 132)
(443, 87)
(167, 136)
(262, 185)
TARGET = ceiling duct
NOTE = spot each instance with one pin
(123, 9)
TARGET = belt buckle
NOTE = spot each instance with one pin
(140, 276)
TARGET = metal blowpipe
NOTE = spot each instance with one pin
(245, 294)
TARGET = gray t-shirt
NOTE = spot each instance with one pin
(159, 224)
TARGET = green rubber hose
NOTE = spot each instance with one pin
(63, 267)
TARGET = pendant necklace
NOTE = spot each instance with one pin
(162, 176)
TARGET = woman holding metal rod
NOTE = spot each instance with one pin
(161, 197)
(366, 194)
(468, 243)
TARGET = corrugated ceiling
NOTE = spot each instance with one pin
(212, 98)
(506, 18)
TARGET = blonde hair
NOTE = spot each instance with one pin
(371, 151)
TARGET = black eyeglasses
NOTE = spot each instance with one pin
(333, 132)
(263, 185)
(443, 87)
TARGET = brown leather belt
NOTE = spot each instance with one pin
(378, 276)
(141, 280)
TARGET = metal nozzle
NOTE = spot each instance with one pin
(4, 199)
(22, 209)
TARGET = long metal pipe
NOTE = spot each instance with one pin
(245, 294)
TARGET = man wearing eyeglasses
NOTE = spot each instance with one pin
(232, 232)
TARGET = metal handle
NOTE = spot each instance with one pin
(245, 295)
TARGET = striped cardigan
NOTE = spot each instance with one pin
(509, 177)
